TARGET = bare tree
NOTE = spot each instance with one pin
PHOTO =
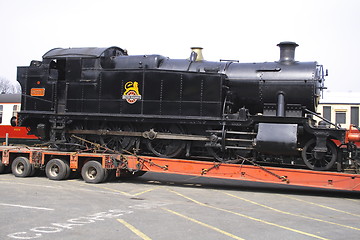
(7, 86)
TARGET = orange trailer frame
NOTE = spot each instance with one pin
(285, 176)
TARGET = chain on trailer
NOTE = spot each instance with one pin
(282, 178)
(122, 162)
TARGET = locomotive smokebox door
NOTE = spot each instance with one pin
(277, 139)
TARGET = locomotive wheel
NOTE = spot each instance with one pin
(21, 167)
(118, 143)
(57, 169)
(75, 143)
(92, 172)
(325, 163)
(168, 148)
(228, 155)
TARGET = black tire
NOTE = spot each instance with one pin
(68, 170)
(57, 169)
(111, 175)
(2, 166)
(34, 171)
(106, 177)
(92, 172)
(21, 167)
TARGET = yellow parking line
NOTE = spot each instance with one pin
(6, 179)
(203, 224)
(149, 190)
(323, 206)
(289, 213)
(113, 190)
(248, 217)
(134, 229)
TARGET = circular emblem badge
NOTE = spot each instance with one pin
(131, 94)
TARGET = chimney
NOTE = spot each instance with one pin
(196, 53)
(287, 52)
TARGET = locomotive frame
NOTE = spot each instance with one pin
(182, 107)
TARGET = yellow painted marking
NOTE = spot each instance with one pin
(134, 229)
(5, 179)
(323, 206)
(112, 190)
(248, 217)
(288, 213)
(149, 190)
(203, 224)
(117, 191)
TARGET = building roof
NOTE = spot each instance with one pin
(340, 97)
(10, 98)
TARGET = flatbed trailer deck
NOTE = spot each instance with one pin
(95, 168)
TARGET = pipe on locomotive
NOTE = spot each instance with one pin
(280, 110)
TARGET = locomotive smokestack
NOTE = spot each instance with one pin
(196, 53)
(287, 51)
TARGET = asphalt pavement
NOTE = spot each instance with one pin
(164, 206)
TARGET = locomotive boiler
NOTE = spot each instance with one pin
(190, 108)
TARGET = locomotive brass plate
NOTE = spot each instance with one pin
(37, 92)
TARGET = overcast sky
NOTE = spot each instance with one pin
(327, 31)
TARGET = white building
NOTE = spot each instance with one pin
(340, 107)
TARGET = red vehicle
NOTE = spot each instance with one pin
(352, 136)
(9, 106)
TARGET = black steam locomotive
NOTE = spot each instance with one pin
(180, 107)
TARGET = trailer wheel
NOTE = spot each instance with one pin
(68, 170)
(2, 167)
(57, 169)
(92, 172)
(21, 167)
